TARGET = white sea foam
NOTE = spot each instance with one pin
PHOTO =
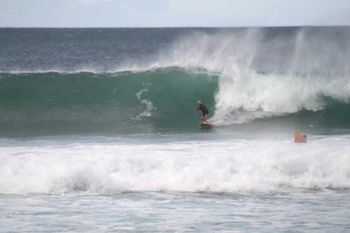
(299, 83)
(253, 95)
(215, 166)
(146, 104)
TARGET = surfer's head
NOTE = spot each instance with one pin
(199, 102)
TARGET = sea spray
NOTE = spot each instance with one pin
(72, 148)
(266, 73)
(242, 74)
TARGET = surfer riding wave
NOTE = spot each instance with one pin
(204, 109)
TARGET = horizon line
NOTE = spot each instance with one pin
(173, 27)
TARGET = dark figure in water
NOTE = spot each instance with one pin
(204, 109)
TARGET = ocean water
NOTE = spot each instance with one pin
(99, 133)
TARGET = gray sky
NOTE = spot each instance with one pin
(172, 13)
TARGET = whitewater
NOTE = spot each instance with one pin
(98, 130)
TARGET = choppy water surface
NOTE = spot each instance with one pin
(98, 130)
(190, 212)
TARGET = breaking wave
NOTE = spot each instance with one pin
(242, 74)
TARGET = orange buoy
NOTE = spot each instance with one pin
(299, 137)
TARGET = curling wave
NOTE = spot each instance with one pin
(242, 74)
(163, 100)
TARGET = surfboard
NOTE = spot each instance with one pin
(205, 125)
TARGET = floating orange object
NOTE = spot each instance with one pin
(299, 137)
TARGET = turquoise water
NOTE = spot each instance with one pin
(99, 133)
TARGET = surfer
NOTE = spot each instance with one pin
(204, 109)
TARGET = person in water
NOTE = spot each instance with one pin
(204, 109)
(299, 137)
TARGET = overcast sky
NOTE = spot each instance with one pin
(172, 13)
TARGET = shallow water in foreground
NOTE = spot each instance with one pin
(175, 183)
(177, 212)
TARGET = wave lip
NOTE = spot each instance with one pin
(265, 72)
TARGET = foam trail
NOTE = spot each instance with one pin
(226, 166)
(148, 105)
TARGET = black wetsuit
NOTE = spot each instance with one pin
(204, 109)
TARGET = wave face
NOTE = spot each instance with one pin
(163, 100)
(139, 80)
(151, 101)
